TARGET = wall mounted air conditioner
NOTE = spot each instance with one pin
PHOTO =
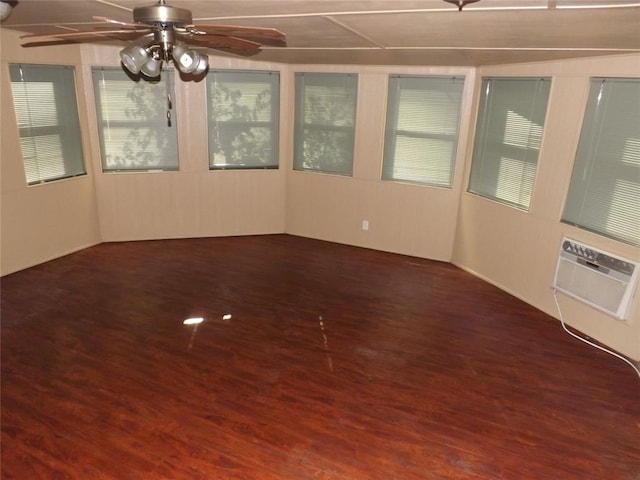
(600, 279)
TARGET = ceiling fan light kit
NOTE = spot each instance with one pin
(148, 58)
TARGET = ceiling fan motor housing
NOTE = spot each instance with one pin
(162, 14)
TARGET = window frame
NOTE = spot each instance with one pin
(273, 124)
(594, 120)
(392, 132)
(165, 80)
(67, 126)
(301, 125)
(481, 134)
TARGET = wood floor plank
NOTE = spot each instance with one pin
(337, 363)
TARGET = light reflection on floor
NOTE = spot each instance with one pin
(325, 342)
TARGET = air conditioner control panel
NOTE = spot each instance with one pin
(597, 259)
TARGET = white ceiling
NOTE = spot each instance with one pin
(387, 32)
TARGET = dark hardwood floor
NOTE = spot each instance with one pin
(337, 363)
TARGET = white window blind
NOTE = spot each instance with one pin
(243, 110)
(508, 139)
(136, 128)
(604, 194)
(421, 135)
(325, 122)
(44, 98)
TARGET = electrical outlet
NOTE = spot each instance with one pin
(365, 224)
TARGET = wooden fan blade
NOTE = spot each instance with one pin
(86, 33)
(80, 37)
(237, 46)
(265, 36)
(50, 43)
(123, 24)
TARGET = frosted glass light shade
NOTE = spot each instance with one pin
(203, 64)
(152, 67)
(134, 57)
(186, 60)
(5, 11)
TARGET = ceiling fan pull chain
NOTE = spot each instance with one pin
(169, 102)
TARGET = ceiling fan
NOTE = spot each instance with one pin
(162, 33)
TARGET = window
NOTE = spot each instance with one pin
(243, 119)
(325, 122)
(422, 129)
(137, 132)
(604, 194)
(508, 138)
(44, 97)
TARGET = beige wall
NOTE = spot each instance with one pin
(40, 222)
(517, 250)
(192, 202)
(512, 249)
(197, 202)
(403, 218)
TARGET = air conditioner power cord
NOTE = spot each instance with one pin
(555, 298)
